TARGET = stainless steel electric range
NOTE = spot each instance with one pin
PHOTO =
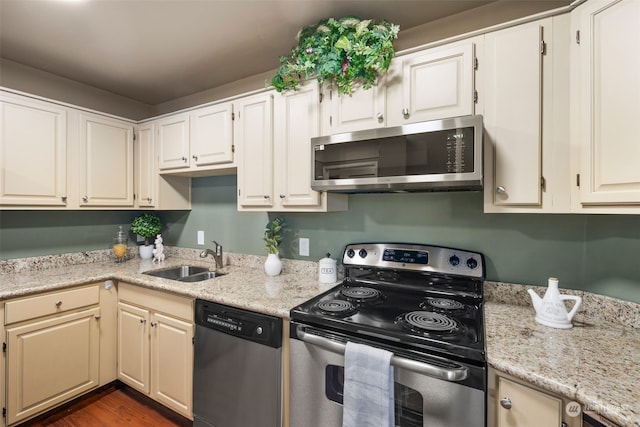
(425, 305)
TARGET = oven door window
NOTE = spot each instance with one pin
(408, 402)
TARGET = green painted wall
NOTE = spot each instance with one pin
(597, 253)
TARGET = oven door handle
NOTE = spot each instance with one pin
(459, 373)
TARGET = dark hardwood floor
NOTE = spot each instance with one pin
(113, 405)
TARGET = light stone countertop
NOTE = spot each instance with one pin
(244, 285)
(595, 363)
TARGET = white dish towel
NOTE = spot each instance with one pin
(368, 387)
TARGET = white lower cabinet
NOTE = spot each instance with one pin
(514, 403)
(53, 350)
(155, 345)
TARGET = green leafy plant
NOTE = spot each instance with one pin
(272, 235)
(146, 225)
(347, 51)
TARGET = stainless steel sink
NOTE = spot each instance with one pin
(185, 273)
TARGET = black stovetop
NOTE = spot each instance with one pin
(415, 309)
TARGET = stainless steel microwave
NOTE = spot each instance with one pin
(438, 155)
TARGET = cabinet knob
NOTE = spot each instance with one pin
(380, 117)
(501, 190)
(153, 324)
(58, 304)
(282, 196)
(149, 199)
(85, 198)
(195, 158)
(184, 159)
(97, 317)
(142, 321)
(64, 199)
(505, 402)
(405, 112)
(267, 196)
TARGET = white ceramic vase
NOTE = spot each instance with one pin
(146, 252)
(273, 265)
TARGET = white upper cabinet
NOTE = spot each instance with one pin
(525, 92)
(274, 132)
(212, 135)
(606, 65)
(432, 84)
(173, 142)
(254, 135)
(33, 152)
(106, 161)
(362, 109)
(146, 170)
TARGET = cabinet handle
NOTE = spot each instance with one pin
(58, 304)
(501, 190)
(97, 317)
(64, 199)
(153, 324)
(505, 402)
(380, 117)
(85, 198)
(405, 112)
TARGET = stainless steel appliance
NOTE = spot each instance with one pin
(237, 367)
(427, 156)
(423, 303)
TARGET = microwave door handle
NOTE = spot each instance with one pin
(447, 374)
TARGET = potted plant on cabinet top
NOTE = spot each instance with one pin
(272, 238)
(148, 226)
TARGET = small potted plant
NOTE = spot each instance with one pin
(273, 238)
(148, 226)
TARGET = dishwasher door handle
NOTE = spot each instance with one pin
(458, 373)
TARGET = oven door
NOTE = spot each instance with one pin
(428, 392)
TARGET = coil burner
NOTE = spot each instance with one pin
(428, 322)
(444, 304)
(336, 307)
(361, 294)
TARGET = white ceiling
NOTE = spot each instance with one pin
(158, 50)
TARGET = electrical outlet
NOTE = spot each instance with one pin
(304, 246)
(200, 237)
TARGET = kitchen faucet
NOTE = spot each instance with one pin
(216, 253)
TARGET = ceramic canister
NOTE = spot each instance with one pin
(327, 270)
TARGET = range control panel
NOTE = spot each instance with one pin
(416, 257)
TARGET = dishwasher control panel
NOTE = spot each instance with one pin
(256, 327)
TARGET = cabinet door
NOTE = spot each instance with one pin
(106, 161)
(434, 84)
(254, 129)
(133, 346)
(513, 113)
(173, 142)
(297, 121)
(146, 170)
(51, 361)
(33, 152)
(172, 362)
(609, 66)
(363, 109)
(212, 135)
(529, 407)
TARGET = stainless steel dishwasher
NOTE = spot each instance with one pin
(237, 368)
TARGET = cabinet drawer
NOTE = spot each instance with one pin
(164, 302)
(50, 303)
